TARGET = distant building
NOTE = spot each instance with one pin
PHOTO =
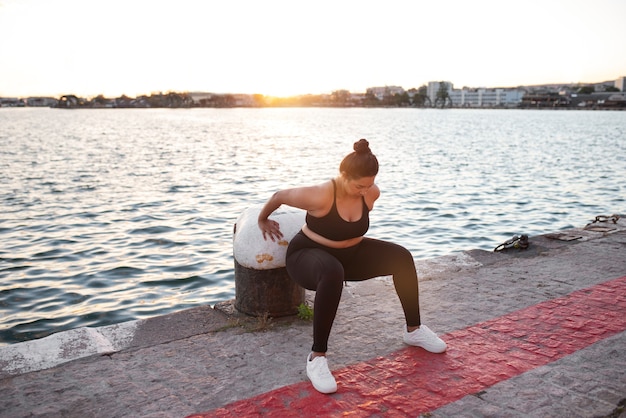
(205, 99)
(11, 102)
(620, 83)
(476, 97)
(381, 92)
(42, 101)
(604, 100)
(484, 97)
(200, 97)
(433, 88)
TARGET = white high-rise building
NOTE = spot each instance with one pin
(484, 97)
(434, 86)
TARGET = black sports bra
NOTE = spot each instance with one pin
(334, 227)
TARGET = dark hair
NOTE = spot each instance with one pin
(361, 162)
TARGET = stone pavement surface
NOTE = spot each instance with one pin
(532, 333)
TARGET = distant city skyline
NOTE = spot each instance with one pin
(283, 48)
(391, 87)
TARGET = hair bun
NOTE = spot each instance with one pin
(362, 146)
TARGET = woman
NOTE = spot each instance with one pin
(331, 248)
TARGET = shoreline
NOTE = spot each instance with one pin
(591, 109)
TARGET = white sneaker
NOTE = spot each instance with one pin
(425, 338)
(317, 371)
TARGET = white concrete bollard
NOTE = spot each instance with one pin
(262, 285)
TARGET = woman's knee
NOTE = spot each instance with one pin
(397, 254)
(312, 267)
(401, 262)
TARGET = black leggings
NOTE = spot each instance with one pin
(323, 269)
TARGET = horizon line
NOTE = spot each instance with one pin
(318, 94)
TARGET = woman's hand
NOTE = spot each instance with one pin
(270, 229)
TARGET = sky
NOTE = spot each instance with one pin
(291, 47)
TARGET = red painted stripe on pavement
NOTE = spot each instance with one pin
(412, 381)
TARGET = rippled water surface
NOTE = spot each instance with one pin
(113, 215)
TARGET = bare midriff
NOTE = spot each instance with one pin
(329, 242)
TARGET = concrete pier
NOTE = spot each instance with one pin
(531, 333)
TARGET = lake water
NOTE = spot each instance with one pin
(114, 215)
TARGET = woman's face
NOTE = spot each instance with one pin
(358, 187)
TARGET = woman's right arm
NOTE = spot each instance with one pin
(267, 226)
(306, 198)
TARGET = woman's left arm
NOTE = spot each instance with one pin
(372, 196)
